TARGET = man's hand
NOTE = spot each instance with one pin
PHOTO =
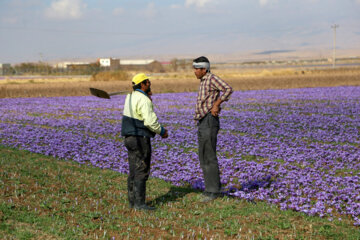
(215, 110)
(165, 135)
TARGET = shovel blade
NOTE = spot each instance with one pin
(99, 93)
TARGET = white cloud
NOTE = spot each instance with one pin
(175, 6)
(150, 11)
(10, 20)
(118, 11)
(65, 9)
(263, 2)
(197, 3)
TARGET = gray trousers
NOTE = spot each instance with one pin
(139, 155)
(208, 128)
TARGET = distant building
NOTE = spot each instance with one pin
(67, 64)
(109, 63)
(142, 65)
(5, 68)
(137, 62)
(104, 62)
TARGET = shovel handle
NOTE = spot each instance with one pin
(117, 93)
(102, 94)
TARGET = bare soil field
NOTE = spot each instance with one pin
(181, 82)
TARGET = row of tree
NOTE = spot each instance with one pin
(43, 68)
(46, 69)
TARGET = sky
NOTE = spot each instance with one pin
(59, 30)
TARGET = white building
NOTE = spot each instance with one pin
(66, 64)
(137, 62)
(111, 63)
(105, 62)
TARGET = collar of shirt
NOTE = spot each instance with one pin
(139, 90)
(206, 76)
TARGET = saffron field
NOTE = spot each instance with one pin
(296, 148)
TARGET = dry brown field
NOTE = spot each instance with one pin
(244, 79)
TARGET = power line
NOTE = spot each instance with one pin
(334, 51)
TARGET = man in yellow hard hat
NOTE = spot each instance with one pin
(139, 125)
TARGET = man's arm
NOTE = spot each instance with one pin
(215, 110)
(227, 90)
(151, 120)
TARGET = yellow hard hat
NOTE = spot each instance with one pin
(138, 78)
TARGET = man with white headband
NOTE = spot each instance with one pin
(207, 112)
(199, 65)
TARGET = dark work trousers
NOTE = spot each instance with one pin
(208, 128)
(139, 155)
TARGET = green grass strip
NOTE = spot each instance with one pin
(46, 198)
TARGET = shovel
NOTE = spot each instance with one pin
(102, 94)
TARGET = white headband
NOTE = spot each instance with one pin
(201, 65)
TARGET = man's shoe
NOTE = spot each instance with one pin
(140, 192)
(144, 207)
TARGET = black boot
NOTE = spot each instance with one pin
(140, 192)
(131, 193)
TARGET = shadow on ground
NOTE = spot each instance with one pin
(174, 194)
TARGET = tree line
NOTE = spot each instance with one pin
(43, 68)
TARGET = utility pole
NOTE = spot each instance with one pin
(334, 51)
